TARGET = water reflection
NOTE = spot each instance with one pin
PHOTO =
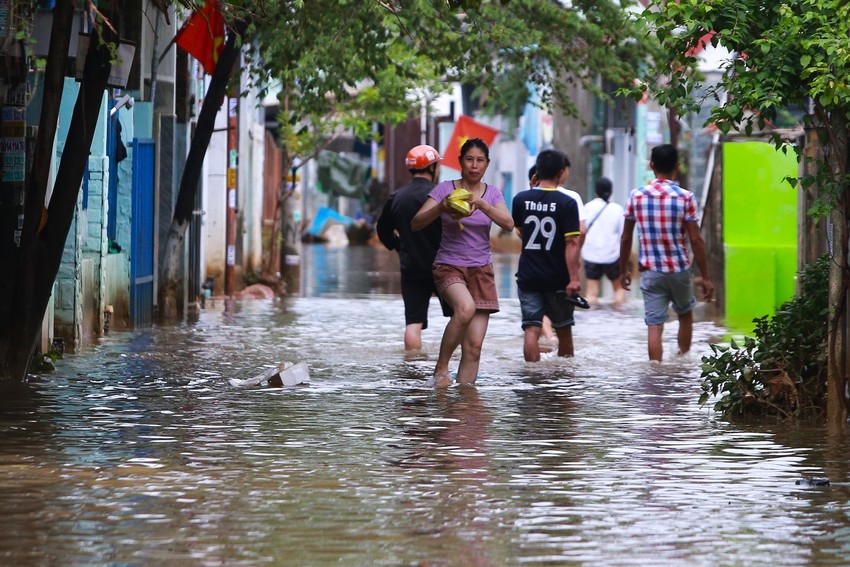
(373, 270)
(137, 451)
(349, 270)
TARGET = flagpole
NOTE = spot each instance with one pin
(167, 47)
(173, 40)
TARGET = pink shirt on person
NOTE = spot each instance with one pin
(469, 247)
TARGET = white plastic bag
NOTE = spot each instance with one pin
(284, 374)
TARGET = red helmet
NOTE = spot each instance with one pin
(421, 157)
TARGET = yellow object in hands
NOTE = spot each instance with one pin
(459, 201)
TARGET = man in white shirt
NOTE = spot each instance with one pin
(601, 249)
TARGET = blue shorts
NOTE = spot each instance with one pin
(661, 289)
(553, 304)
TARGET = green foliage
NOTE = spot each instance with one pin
(781, 369)
(336, 67)
(785, 54)
(514, 93)
(44, 363)
(344, 65)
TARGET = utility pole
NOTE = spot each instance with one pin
(232, 162)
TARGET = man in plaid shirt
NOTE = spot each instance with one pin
(664, 213)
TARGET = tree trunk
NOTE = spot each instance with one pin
(38, 174)
(290, 245)
(46, 229)
(170, 281)
(839, 164)
(673, 125)
(836, 378)
(811, 231)
(278, 218)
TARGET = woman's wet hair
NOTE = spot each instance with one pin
(475, 143)
(604, 188)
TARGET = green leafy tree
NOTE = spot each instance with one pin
(786, 53)
(342, 66)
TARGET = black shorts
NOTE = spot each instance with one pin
(416, 291)
(596, 271)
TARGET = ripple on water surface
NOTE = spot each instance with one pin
(137, 451)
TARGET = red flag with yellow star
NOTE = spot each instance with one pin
(202, 36)
(465, 128)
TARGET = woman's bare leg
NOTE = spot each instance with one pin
(463, 308)
(470, 357)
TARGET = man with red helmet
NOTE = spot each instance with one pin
(416, 250)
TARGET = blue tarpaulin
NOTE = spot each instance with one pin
(324, 216)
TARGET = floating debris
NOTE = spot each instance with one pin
(812, 481)
(285, 374)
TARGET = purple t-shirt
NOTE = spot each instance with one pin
(469, 247)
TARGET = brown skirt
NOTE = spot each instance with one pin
(479, 280)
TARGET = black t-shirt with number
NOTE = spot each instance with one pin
(546, 216)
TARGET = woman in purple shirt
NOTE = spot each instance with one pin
(463, 269)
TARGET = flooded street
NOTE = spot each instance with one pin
(138, 451)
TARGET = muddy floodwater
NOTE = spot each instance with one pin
(138, 451)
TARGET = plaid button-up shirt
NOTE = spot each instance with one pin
(660, 211)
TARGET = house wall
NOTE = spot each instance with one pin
(759, 230)
(181, 140)
(91, 278)
(271, 185)
(166, 191)
(117, 264)
(68, 322)
(95, 241)
(399, 140)
(80, 282)
(156, 31)
(215, 201)
(569, 136)
(252, 116)
(93, 274)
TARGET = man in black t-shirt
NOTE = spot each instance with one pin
(547, 220)
(416, 250)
